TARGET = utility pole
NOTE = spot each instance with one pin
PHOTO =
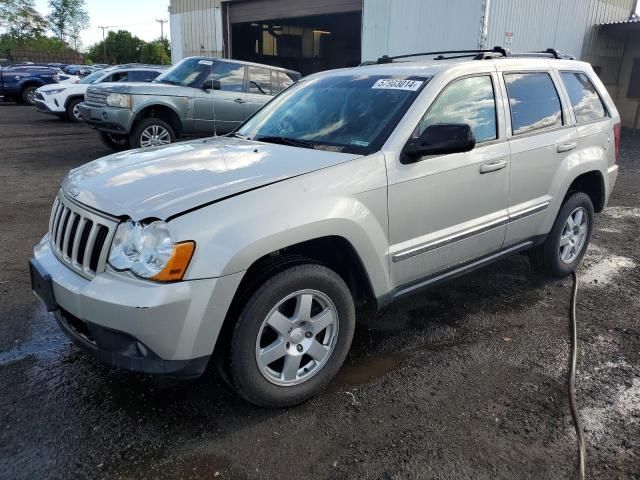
(162, 22)
(104, 45)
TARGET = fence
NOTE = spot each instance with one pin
(44, 56)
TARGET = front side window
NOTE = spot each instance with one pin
(342, 113)
(468, 100)
(533, 101)
(230, 76)
(587, 105)
(260, 80)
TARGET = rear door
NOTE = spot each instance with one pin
(227, 105)
(543, 143)
(259, 89)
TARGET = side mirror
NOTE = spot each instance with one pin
(439, 139)
(211, 85)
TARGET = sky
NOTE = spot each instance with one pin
(137, 16)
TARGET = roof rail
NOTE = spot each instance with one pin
(440, 55)
(479, 54)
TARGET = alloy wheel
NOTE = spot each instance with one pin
(574, 235)
(297, 338)
(154, 135)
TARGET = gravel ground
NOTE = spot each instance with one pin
(467, 380)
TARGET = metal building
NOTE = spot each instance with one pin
(196, 28)
(313, 35)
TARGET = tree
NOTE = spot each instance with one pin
(21, 19)
(121, 47)
(68, 18)
(154, 53)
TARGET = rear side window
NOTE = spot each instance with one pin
(142, 75)
(533, 101)
(260, 80)
(117, 77)
(468, 100)
(587, 104)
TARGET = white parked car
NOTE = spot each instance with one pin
(62, 99)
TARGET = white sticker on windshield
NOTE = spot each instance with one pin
(396, 84)
(205, 62)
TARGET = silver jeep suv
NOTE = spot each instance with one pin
(198, 96)
(367, 184)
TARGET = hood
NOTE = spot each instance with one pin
(164, 181)
(69, 88)
(144, 88)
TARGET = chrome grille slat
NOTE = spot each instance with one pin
(97, 98)
(80, 237)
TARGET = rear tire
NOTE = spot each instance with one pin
(114, 141)
(27, 95)
(72, 110)
(152, 132)
(567, 243)
(307, 353)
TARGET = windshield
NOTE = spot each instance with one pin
(188, 72)
(351, 114)
(92, 78)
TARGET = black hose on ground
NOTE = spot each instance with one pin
(582, 451)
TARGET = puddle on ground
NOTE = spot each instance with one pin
(601, 267)
(366, 369)
(622, 212)
(46, 339)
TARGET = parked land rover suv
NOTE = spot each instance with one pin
(197, 97)
(366, 184)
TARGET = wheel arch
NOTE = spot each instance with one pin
(591, 183)
(72, 97)
(161, 111)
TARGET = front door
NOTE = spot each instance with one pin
(218, 112)
(449, 209)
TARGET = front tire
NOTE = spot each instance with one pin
(152, 132)
(567, 243)
(292, 336)
(73, 110)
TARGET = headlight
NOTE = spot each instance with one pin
(147, 251)
(54, 91)
(121, 100)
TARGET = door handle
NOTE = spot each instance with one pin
(493, 166)
(239, 100)
(566, 147)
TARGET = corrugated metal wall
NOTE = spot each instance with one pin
(196, 28)
(403, 26)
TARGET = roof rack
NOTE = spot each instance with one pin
(477, 54)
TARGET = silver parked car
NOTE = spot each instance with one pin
(198, 96)
(358, 185)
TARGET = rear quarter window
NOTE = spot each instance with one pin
(587, 104)
(533, 101)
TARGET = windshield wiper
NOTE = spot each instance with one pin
(294, 142)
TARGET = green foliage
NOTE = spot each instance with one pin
(120, 47)
(37, 43)
(67, 19)
(21, 20)
(154, 53)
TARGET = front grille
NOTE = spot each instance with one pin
(80, 238)
(94, 97)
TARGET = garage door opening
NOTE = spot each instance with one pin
(306, 44)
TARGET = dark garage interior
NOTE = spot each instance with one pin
(306, 44)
